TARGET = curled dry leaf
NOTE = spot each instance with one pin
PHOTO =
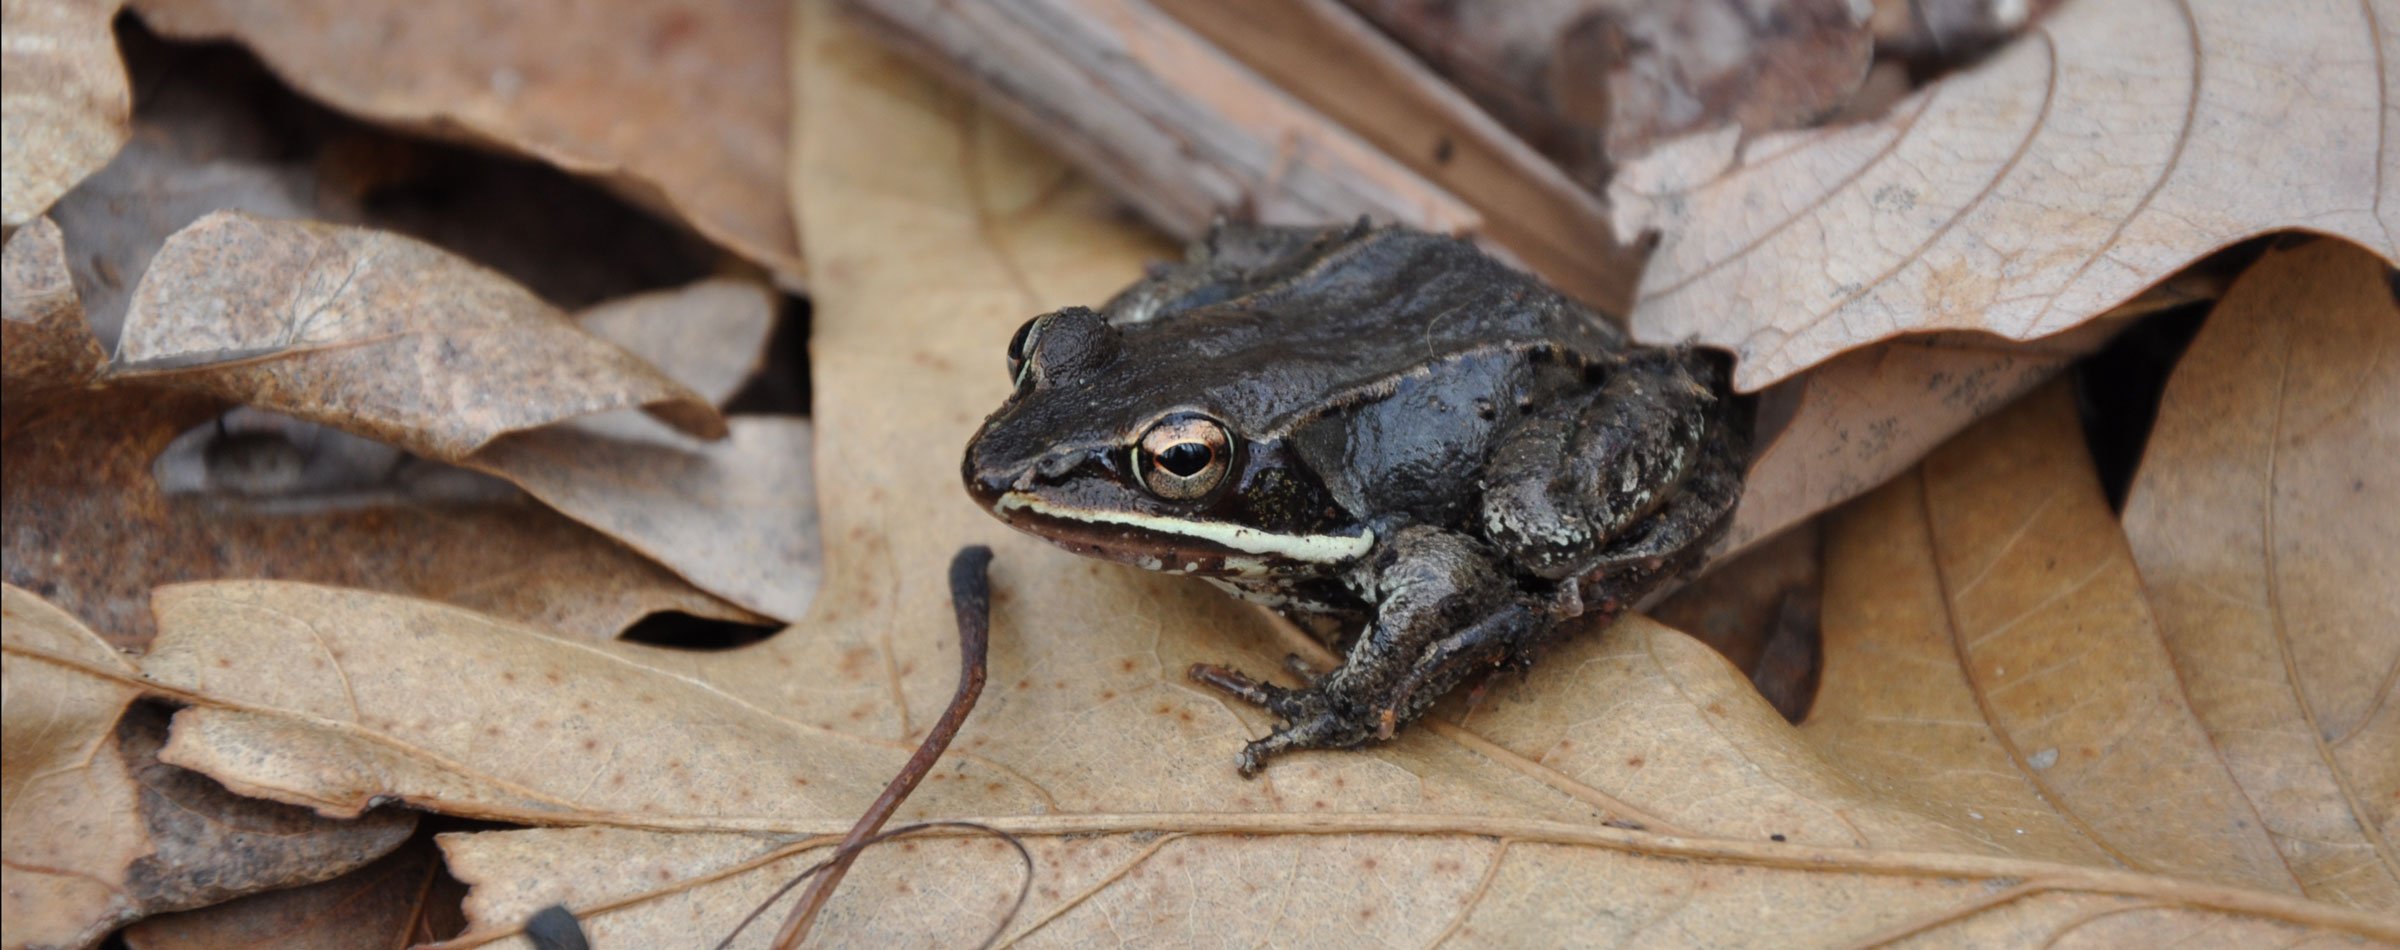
(681, 106)
(375, 334)
(90, 520)
(736, 518)
(2110, 146)
(2266, 522)
(1490, 824)
(45, 351)
(67, 101)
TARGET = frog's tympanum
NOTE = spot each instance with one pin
(1377, 426)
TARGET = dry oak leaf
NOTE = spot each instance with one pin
(64, 100)
(2266, 521)
(100, 831)
(375, 334)
(682, 107)
(2114, 143)
(1489, 826)
(73, 823)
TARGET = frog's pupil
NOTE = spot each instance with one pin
(1184, 459)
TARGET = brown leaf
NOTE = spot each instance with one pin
(1998, 571)
(2267, 523)
(100, 830)
(373, 908)
(684, 107)
(2110, 146)
(1492, 822)
(46, 351)
(73, 822)
(376, 334)
(67, 100)
(87, 521)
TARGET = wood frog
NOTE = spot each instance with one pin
(1379, 427)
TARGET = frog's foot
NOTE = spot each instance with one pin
(1312, 719)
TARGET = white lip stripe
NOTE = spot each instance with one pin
(1314, 548)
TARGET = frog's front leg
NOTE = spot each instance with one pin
(1430, 586)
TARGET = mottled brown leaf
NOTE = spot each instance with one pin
(683, 106)
(2111, 145)
(2266, 520)
(45, 351)
(376, 907)
(376, 334)
(66, 100)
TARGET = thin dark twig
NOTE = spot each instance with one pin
(971, 599)
(846, 852)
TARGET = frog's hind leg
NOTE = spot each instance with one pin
(1563, 484)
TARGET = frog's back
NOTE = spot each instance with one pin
(1280, 323)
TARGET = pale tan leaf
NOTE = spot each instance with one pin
(2267, 523)
(66, 100)
(46, 348)
(376, 334)
(708, 336)
(1997, 571)
(736, 517)
(2115, 142)
(73, 827)
(684, 107)
(334, 699)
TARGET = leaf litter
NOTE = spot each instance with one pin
(2007, 790)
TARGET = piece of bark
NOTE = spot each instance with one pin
(1175, 127)
(1336, 61)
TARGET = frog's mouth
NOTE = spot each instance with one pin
(1177, 545)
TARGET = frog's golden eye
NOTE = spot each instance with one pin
(1183, 457)
(1020, 348)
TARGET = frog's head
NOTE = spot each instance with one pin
(1117, 452)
